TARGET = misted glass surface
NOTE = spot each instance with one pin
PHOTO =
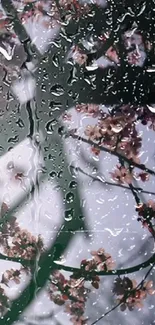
(77, 165)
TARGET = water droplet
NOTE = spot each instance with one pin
(57, 90)
(61, 130)
(20, 123)
(73, 184)
(69, 214)
(69, 197)
(45, 59)
(114, 232)
(10, 165)
(13, 139)
(60, 174)
(60, 261)
(54, 104)
(43, 88)
(50, 126)
(45, 76)
(73, 171)
(52, 174)
(81, 217)
(55, 61)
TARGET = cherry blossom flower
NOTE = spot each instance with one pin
(24, 245)
(148, 288)
(112, 55)
(129, 295)
(151, 204)
(74, 7)
(112, 125)
(146, 210)
(95, 150)
(103, 260)
(129, 147)
(91, 109)
(122, 175)
(93, 132)
(122, 286)
(95, 281)
(75, 308)
(143, 176)
(11, 275)
(79, 57)
(131, 303)
(134, 57)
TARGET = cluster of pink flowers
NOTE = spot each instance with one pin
(141, 113)
(130, 295)
(146, 214)
(90, 109)
(24, 245)
(101, 261)
(116, 133)
(72, 293)
(46, 10)
(78, 56)
(112, 54)
(17, 242)
(14, 275)
(74, 7)
(123, 175)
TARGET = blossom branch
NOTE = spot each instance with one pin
(87, 274)
(22, 261)
(18, 27)
(98, 179)
(112, 152)
(140, 285)
(129, 270)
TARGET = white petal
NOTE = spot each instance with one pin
(151, 108)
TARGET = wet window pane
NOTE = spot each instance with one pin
(77, 123)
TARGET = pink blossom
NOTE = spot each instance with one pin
(122, 175)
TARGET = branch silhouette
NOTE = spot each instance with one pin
(112, 152)
(104, 182)
(84, 273)
(126, 296)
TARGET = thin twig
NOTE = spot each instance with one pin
(108, 312)
(98, 179)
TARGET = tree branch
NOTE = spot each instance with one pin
(97, 178)
(22, 261)
(44, 269)
(84, 273)
(140, 285)
(112, 152)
